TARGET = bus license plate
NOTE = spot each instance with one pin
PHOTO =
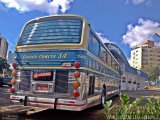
(43, 87)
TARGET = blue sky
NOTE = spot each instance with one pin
(123, 22)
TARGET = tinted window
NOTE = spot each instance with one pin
(94, 44)
(52, 31)
(102, 53)
(61, 81)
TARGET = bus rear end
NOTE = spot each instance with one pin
(48, 60)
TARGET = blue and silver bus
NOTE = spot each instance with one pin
(61, 63)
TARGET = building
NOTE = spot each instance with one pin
(146, 56)
(131, 79)
(10, 58)
(3, 47)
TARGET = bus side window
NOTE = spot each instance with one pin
(94, 44)
(102, 54)
(108, 59)
(91, 85)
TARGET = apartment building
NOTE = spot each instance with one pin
(145, 56)
(3, 47)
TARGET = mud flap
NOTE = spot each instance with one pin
(25, 100)
(55, 103)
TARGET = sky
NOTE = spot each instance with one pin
(125, 23)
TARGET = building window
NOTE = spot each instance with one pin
(134, 82)
(129, 82)
(123, 79)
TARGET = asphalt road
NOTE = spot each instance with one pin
(4, 96)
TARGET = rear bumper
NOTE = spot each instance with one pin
(61, 104)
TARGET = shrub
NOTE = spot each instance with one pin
(133, 110)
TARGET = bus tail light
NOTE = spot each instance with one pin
(13, 81)
(13, 73)
(76, 84)
(76, 74)
(14, 64)
(75, 93)
(77, 64)
(12, 90)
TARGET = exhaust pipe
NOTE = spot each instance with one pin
(21, 100)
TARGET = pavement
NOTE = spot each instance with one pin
(139, 93)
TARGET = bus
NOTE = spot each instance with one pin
(61, 63)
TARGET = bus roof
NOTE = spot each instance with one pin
(56, 16)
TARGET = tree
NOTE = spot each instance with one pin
(153, 73)
(3, 64)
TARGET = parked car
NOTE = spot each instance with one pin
(5, 81)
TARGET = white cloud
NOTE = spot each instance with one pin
(138, 2)
(52, 7)
(103, 37)
(139, 33)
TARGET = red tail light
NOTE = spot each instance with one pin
(14, 64)
(75, 93)
(12, 90)
(77, 64)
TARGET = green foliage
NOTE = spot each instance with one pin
(153, 72)
(107, 108)
(132, 110)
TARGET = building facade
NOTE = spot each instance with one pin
(3, 47)
(145, 56)
(131, 79)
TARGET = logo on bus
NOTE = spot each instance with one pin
(37, 75)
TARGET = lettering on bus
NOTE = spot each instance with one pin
(81, 56)
(42, 56)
